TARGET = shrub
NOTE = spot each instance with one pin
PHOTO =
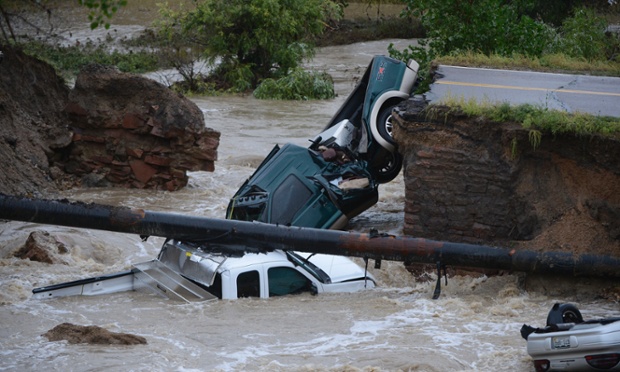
(583, 35)
(298, 85)
(485, 26)
(250, 40)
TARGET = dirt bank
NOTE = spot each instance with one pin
(32, 125)
(472, 180)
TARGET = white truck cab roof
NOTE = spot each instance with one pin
(264, 274)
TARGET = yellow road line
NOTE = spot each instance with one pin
(447, 82)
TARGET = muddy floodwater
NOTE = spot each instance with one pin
(473, 326)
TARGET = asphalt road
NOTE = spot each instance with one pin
(598, 95)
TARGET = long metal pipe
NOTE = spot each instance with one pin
(250, 236)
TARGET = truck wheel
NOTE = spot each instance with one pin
(385, 125)
(564, 313)
(389, 167)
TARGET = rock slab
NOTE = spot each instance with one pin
(135, 132)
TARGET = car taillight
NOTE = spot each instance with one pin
(542, 365)
(603, 361)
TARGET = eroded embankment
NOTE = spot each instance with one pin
(472, 180)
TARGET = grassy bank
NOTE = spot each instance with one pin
(537, 119)
(546, 63)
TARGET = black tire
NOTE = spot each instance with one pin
(387, 166)
(385, 125)
(564, 313)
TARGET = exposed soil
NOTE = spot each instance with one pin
(358, 30)
(477, 181)
(32, 127)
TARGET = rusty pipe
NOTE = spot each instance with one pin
(263, 237)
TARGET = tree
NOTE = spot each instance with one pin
(486, 26)
(250, 40)
(100, 9)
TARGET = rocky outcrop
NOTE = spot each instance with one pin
(477, 181)
(112, 129)
(133, 131)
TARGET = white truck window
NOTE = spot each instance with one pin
(248, 284)
(285, 280)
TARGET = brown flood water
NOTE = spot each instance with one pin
(473, 326)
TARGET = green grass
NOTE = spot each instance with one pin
(69, 60)
(546, 63)
(538, 119)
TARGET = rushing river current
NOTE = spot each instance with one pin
(473, 326)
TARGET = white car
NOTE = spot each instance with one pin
(184, 271)
(568, 343)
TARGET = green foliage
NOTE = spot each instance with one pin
(486, 26)
(535, 137)
(250, 40)
(98, 9)
(583, 35)
(297, 85)
(421, 55)
(547, 62)
(505, 28)
(71, 59)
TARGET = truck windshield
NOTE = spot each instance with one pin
(288, 199)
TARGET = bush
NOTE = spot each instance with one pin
(583, 35)
(298, 85)
(502, 28)
(485, 26)
(251, 40)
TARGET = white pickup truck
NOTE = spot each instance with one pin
(183, 271)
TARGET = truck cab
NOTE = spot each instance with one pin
(264, 275)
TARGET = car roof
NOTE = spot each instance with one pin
(249, 259)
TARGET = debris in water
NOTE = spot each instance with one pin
(76, 334)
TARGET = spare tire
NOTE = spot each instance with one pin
(564, 313)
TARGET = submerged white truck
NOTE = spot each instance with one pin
(183, 271)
